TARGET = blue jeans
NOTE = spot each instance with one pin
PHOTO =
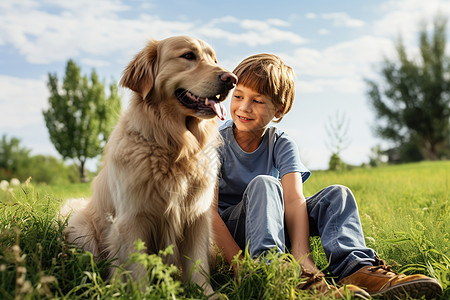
(333, 215)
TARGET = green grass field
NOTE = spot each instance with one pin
(404, 210)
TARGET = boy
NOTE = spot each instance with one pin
(260, 200)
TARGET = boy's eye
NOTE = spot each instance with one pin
(256, 101)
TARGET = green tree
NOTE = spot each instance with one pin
(80, 115)
(338, 140)
(413, 103)
(13, 158)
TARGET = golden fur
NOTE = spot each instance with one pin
(159, 169)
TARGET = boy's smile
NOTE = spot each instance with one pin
(243, 119)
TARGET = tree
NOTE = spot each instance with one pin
(338, 141)
(80, 116)
(413, 104)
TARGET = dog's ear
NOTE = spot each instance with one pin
(140, 73)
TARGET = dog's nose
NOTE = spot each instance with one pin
(229, 78)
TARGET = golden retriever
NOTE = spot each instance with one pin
(159, 167)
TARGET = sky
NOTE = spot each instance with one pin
(333, 46)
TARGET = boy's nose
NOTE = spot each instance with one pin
(246, 106)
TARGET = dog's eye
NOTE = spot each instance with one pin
(189, 56)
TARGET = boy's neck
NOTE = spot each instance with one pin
(249, 141)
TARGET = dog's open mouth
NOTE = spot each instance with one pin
(207, 105)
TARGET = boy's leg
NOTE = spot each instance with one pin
(333, 215)
(258, 218)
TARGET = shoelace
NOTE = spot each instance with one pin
(384, 269)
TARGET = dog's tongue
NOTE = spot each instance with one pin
(218, 108)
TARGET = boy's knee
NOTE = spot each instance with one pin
(264, 182)
(340, 194)
(263, 189)
(339, 189)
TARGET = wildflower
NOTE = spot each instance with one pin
(370, 239)
(4, 185)
(16, 249)
(26, 288)
(47, 279)
(21, 272)
(27, 181)
(15, 182)
(43, 288)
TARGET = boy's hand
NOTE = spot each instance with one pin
(308, 265)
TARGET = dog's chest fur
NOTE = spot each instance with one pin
(192, 178)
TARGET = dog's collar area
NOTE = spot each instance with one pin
(207, 105)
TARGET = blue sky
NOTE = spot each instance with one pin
(332, 46)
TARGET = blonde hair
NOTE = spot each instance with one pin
(268, 75)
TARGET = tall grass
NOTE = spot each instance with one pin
(404, 211)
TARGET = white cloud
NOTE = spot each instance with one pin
(21, 101)
(95, 62)
(44, 37)
(405, 16)
(310, 87)
(278, 22)
(340, 67)
(347, 85)
(95, 28)
(343, 65)
(252, 32)
(98, 7)
(224, 19)
(341, 19)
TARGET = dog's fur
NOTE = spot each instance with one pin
(159, 168)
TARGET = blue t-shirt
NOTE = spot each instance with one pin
(276, 156)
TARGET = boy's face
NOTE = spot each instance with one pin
(252, 111)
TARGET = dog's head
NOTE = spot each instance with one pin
(183, 72)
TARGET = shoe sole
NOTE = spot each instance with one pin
(430, 288)
(360, 295)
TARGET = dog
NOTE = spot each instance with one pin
(159, 168)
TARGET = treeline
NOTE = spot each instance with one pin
(17, 162)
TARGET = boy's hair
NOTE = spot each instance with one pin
(268, 75)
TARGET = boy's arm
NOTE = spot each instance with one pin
(297, 222)
(222, 236)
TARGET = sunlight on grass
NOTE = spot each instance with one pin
(404, 211)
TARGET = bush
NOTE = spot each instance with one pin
(336, 164)
(16, 162)
(50, 170)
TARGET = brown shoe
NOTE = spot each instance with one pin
(381, 280)
(317, 284)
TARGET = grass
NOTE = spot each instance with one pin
(404, 211)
